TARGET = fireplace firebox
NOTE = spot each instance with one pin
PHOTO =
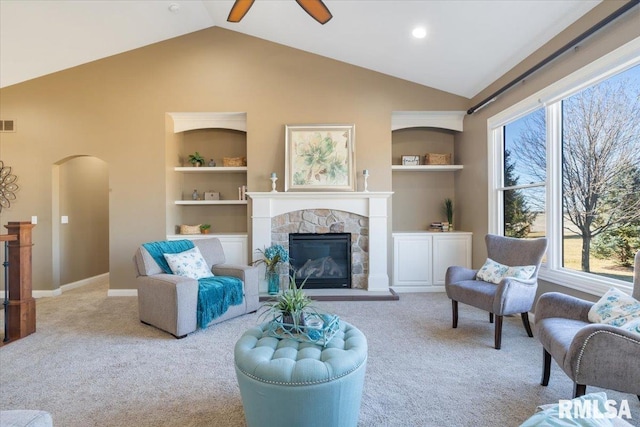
(324, 259)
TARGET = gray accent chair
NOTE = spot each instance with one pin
(511, 295)
(592, 354)
(169, 302)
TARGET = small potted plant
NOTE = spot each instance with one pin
(290, 307)
(448, 211)
(204, 228)
(196, 159)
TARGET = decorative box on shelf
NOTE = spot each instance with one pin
(318, 328)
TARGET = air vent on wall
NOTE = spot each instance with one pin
(7, 125)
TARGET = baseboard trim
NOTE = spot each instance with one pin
(122, 293)
(44, 294)
(99, 279)
(403, 289)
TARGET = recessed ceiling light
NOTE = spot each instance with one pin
(174, 7)
(419, 32)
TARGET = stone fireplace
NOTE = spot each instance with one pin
(361, 214)
(327, 222)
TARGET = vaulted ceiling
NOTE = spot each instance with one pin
(469, 43)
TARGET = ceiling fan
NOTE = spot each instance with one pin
(315, 8)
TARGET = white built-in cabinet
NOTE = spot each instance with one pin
(421, 258)
(235, 245)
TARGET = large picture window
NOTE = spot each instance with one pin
(569, 169)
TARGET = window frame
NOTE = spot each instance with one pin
(550, 98)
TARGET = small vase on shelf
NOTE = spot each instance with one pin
(273, 282)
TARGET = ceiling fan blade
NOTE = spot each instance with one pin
(316, 9)
(239, 9)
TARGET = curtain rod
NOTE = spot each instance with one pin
(619, 12)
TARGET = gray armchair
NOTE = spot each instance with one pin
(589, 353)
(511, 295)
(169, 302)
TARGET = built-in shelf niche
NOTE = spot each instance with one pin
(420, 190)
(214, 135)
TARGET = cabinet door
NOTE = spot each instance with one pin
(235, 246)
(412, 260)
(448, 250)
(235, 249)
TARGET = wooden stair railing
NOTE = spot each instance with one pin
(20, 312)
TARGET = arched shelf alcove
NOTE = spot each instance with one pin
(208, 120)
(417, 181)
(221, 138)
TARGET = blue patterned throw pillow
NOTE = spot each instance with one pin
(494, 272)
(617, 309)
(523, 272)
(189, 264)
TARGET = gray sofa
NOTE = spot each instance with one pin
(592, 354)
(169, 302)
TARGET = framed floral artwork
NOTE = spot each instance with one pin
(320, 157)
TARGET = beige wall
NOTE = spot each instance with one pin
(115, 109)
(471, 145)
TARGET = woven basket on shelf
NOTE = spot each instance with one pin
(190, 229)
(437, 159)
(234, 161)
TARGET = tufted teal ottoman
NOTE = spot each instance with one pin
(287, 383)
(25, 418)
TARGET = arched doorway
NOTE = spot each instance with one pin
(80, 203)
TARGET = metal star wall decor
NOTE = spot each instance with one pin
(8, 187)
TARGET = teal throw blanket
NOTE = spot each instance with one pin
(215, 294)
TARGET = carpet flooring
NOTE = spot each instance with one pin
(92, 363)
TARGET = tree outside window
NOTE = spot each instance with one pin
(600, 149)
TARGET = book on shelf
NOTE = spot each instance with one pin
(439, 226)
(242, 192)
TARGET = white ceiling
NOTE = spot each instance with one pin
(470, 43)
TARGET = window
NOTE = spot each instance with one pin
(524, 176)
(568, 168)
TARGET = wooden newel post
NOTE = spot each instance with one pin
(22, 306)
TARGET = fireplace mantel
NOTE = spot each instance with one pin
(372, 205)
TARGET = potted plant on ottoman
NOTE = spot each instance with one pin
(290, 307)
